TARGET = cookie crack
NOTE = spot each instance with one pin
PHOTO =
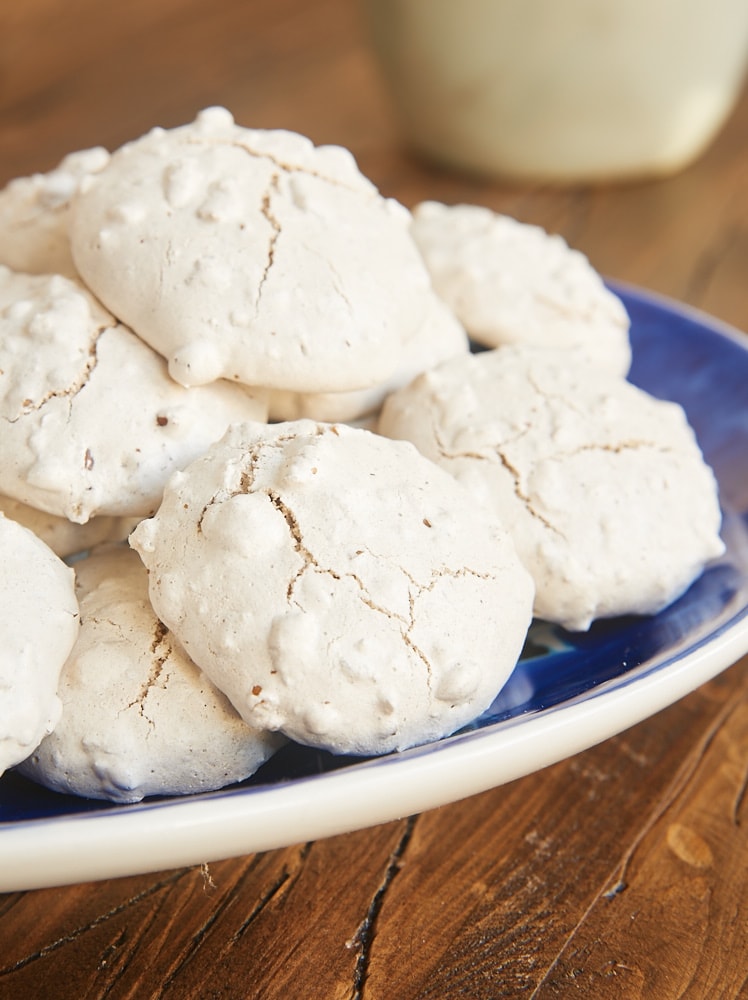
(546, 397)
(407, 634)
(161, 650)
(286, 168)
(245, 486)
(71, 391)
(336, 280)
(294, 529)
(616, 448)
(247, 478)
(293, 525)
(368, 600)
(437, 575)
(415, 591)
(275, 227)
(416, 649)
(497, 455)
(310, 561)
(338, 285)
(298, 540)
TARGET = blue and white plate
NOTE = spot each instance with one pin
(569, 691)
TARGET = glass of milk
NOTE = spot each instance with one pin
(562, 90)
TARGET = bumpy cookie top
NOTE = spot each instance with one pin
(251, 255)
(35, 212)
(602, 487)
(38, 626)
(339, 587)
(510, 282)
(138, 717)
(90, 422)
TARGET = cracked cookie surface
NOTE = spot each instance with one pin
(38, 626)
(509, 282)
(251, 255)
(139, 718)
(337, 586)
(90, 422)
(602, 487)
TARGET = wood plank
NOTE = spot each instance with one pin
(529, 864)
(511, 891)
(618, 873)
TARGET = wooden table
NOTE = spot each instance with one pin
(621, 872)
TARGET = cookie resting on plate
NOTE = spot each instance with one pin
(38, 626)
(90, 422)
(603, 487)
(510, 282)
(138, 717)
(337, 586)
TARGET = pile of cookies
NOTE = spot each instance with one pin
(237, 397)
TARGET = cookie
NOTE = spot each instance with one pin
(509, 282)
(35, 211)
(62, 536)
(602, 487)
(38, 626)
(251, 255)
(438, 336)
(92, 424)
(337, 586)
(139, 718)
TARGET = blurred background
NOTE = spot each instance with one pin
(108, 75)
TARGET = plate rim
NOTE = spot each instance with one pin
(175, 832)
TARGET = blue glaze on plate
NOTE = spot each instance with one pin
(678, 355)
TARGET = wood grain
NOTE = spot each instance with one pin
(618, 873)
(621, 867)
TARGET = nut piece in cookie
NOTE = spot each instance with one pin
(91, 422)
(38, 626)
(251, 255)
(602, 487)
(339, 587)
(138, 716)
(509, 282)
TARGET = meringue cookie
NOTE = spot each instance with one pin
(438, 336)
(90, 422)
(338, 587)
(602, 487)
(35, 212)
(509, 282)
(62, 536)
(251, 255)
(38, 626)
(138, 716)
